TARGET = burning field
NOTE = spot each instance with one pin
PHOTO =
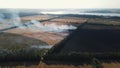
(29, 37)
(48, 28)
(59, 37)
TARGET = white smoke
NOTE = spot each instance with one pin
(52, 27)
(1, 16)
(10, 17)
(14, 20)
(41, 47)
(47, 27)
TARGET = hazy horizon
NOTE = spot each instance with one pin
(60, 4)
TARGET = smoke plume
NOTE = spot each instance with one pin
(11, 18)
(48, 27)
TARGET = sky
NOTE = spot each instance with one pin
(59, 4)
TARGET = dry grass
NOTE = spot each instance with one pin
(36, 17)
(104, 21)
(50, 38)
(9, 40)
(43, 65)
(70, 20)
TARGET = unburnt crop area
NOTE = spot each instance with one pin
(14, 47)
